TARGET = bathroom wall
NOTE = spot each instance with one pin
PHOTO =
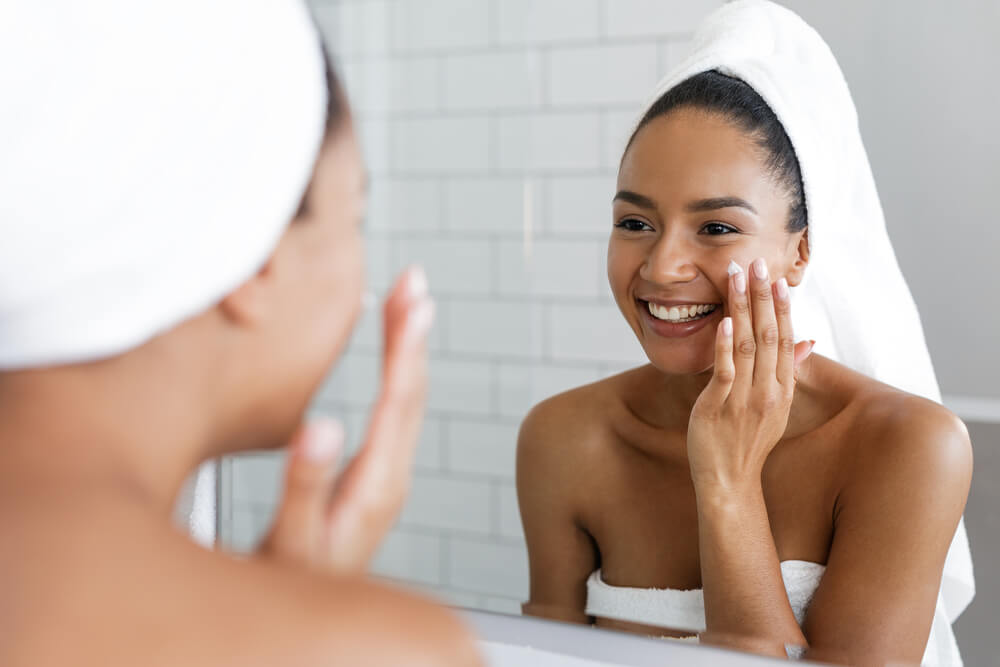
(492, 130)
(976, 629)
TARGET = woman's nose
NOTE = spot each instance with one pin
(669, 262)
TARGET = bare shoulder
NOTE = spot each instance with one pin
(897, 435)
(127, 589)
(354, 620)
(884, 430)
(569, 426)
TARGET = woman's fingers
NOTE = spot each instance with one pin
(398, 411)
(786, 336)
(744, 344)
(339, 526)
(298, 527)
(765, 325)
(724, 372)
(802, 351)
(373, 488)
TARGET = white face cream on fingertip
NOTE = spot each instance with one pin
(734, 268)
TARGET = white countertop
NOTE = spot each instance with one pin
(522, 641)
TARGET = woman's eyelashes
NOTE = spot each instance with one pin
(708, 229)
(633, 225)
(718, 229)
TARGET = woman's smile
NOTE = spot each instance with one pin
(677, 319)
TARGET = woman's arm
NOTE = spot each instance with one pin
(746, 605)
(894, 521)
(894, 517)
(561, 554)
(737, 420)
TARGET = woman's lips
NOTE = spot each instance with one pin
(675, 330)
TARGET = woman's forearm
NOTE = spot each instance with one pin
(745, 597)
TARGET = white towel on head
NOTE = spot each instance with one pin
(151, 155)
(853, 301)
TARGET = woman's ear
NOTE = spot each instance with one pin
(249, 302)
(798, 267)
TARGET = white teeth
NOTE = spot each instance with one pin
(679, 313)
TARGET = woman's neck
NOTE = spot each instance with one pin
(665, 401)
(112, 424)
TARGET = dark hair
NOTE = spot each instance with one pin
(337, 112)
(336, 105)
(739, 103)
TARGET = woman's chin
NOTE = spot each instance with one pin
(674, 364)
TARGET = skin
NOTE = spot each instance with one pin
(89, 552)
(728, 454)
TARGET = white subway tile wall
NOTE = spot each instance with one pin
(492, 130)
(485, 81)
(535, 22)
(619, 73)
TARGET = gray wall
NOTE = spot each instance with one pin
(977, 628)
(924, 78)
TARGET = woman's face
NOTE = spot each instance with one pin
(693, 194)
(311, 296)
(331, 250)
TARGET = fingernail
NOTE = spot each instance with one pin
(323, 440)
(419, 320)
(782, 288)
(417, 282)
(740, 282)
(727, 326)
(760, 269)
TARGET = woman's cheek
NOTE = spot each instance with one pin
(622, 267)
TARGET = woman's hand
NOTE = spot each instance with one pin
(743, 411)
(337, 524)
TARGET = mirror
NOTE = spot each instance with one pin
(493, 133)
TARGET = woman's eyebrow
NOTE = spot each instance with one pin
(714, 203)
(639, 200)
(697, 206)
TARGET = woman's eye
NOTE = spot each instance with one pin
(717, 229)
(632, 225)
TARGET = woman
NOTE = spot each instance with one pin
(157, 309)
(738, 485)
